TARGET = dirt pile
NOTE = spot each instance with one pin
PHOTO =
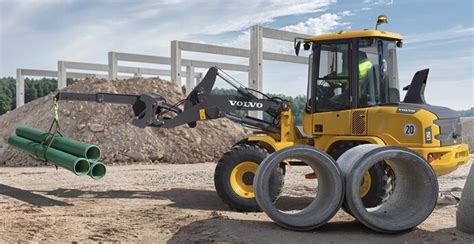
(468, 132)
(108, 125)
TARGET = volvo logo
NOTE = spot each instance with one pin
(245, 104)
(406, 110)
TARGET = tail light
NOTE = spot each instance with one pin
(430, 157)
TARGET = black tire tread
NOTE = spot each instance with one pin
(379, 191)
(225, 165)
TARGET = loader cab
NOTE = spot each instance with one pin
(349, 70)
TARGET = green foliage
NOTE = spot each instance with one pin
(467, 113)
(224, 91)
(7, 94)
(34, 88)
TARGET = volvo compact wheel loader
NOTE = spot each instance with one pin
(353, 98)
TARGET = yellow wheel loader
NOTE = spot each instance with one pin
(353, 98)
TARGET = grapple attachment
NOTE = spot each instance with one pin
(145, 107)
(153, 110)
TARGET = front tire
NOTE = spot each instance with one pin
(233, 177)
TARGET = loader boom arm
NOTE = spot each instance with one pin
(153, 110)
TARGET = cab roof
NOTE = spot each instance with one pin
(356, 34)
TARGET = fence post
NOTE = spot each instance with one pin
(138, 73)
(20, 89)
(62, 75)
(255, 63)
(198, 79)
(175, 63)
(189, 79)
(113, 66)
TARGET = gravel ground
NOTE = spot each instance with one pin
(175, 203)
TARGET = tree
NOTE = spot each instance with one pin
(33, 89)
(467, 113)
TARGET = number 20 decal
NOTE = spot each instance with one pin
(409, 129)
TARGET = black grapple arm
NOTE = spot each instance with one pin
(154, 110)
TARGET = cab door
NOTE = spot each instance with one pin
(332, 89)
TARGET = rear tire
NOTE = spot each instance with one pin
(377, 190)
(233, 177)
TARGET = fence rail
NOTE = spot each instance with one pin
(255, 56)
(21, 73)
(189, 64)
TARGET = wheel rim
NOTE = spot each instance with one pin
(366, 183)
(241, 179)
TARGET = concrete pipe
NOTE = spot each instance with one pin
(329, 192)
(465, 213)
(413, 198)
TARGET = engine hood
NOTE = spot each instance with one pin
(449, 121)
(440, 112)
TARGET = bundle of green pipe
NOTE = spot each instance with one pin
(78, 157)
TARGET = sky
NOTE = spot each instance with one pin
(438, 35)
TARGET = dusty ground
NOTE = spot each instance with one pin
(175, 203)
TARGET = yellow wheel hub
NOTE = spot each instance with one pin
(366, 183)
(241, 178)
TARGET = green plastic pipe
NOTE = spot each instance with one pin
(79, 166)
(97, 169)
(62, 143)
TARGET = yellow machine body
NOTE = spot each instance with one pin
(366, 33)
(374, 125)
(353, 98)
(384, 125)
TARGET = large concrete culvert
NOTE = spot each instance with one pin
(329, 195)
(415, 188)
(465, 212)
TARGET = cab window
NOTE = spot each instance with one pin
(310, 83)
(377, 73)
(332, 83)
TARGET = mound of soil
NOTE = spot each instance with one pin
(108, 125)
(468, 132)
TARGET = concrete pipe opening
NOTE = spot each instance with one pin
(303, 211)
(414, 192)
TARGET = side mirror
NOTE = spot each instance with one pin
(306, 46)
(297, 47)
(400, 44)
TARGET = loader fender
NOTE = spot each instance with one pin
(326, 146)
(269, 142)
